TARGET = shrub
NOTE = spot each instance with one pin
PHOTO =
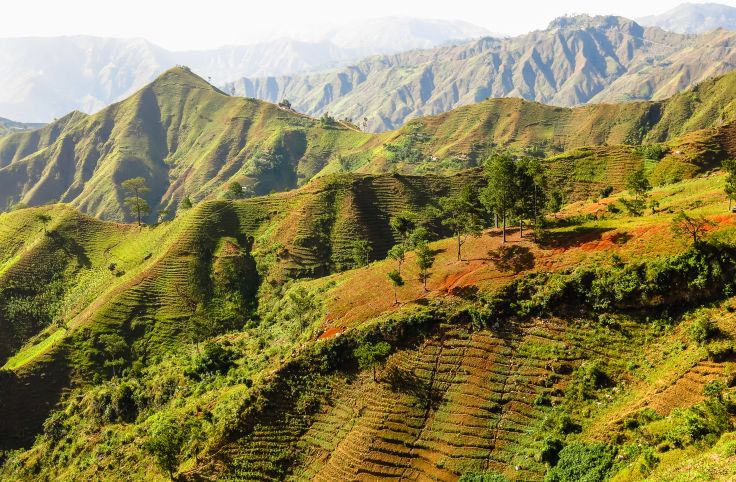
(606, 191)
(483, 477)
(550, 452)
(215, 359)
(165, 442)
(581, 462)
(701, 329)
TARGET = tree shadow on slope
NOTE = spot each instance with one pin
(71, 248)
(512, 258)
(573, 239)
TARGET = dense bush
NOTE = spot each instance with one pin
(216, 358)
(704, 272)
(701, 329)
(581, 462)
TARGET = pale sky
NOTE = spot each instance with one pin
(188, 24)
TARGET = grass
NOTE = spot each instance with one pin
(188, 139)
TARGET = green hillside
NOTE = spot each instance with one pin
(489, 370)
(186, 138)
(182, 135)
(295, 335)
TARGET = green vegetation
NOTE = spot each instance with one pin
(371, 355)
(235, 341)
(136, 188)
(461, 213)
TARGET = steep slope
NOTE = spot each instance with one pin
(694, 18)
(567, 64)
(490, 370)
(708, 56)
(181, 134)
(186, 138)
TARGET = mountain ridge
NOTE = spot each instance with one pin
(188, 138)
(577, 60)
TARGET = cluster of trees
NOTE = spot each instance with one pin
(414, 236)
(518, 189)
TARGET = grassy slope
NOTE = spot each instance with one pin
(182, 135)
(480, 415)
(187, 138)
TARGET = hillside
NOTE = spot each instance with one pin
(186, 138)
(488, 369)
(576, 60)
(182, 135)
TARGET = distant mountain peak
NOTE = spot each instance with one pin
(693, 18)
(585, 21)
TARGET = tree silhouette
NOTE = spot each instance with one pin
(690, 226)
(362, 250)
(461, 213)
(425, 260)
(396, 280)
(370, 355)
(135, 188)
(500, 193)
(45, 219)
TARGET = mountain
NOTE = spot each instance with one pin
(694, 18)
(89, 73)
(187, 138)
(7, 126)
(577, 60)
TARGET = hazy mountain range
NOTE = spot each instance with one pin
(574, 61)
(694, 18)
(44, 78)
(8, 126)
(387, 70)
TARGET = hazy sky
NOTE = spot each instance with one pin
(186, 24)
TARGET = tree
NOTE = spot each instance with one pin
(114, 347)
(499, 194)
(556, 201)
(186, 203)
(638, 184)
(135, 188)
(461, 214)
(370, 355)
(165, 442)
(362, 250)
(398, 253)
(403, 223)
(302, 304)
(730, 166)
(285, 104)
(539, 191)
(690, 227)
(45, 219)
(234, 190)
(425, 260)
(396, 281)
(163, 214)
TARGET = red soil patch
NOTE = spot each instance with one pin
(331, 332)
